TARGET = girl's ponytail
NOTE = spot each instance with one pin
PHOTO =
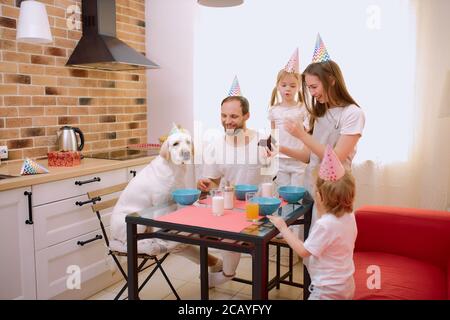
(274, 97)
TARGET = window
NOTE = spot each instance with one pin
(372, 41)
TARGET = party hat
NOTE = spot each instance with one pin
(32, 167)
(176, 128)
(292, 65)
(235, 89)
(320, 52)
(331, 168)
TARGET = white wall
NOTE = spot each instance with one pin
(169, 43)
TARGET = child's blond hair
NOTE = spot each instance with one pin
(274, 97)
(337, 196)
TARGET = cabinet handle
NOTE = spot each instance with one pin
(93, 200)
(133, 172)
(30, 208)
(80, 183)
(82, 243)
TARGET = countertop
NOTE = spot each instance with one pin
(87, 166)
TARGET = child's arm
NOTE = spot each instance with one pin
(302, 154)
(295, 243)
(272, 125)
(345, 145)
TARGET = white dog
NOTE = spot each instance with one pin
(152, 186)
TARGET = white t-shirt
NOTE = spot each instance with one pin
(278, 114)
(328, 129)
(331, 242)
(236, 164)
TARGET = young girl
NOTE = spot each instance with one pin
(334, 117)
(290, 171)
(329, 247)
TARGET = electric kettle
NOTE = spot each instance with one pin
(67, 139)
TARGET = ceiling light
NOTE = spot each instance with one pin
(220, 3)
(33, 23)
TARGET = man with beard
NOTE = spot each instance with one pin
(234, 158)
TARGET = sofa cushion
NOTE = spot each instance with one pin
(402, 278)
(448, 279)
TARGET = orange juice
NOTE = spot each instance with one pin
(252, 210)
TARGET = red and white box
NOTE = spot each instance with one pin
(64, 158)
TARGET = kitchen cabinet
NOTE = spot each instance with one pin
(43, 259)
(133, 171)
(17, 271)
(75, 269)
(63, 224)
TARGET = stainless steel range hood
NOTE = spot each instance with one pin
(99, 47)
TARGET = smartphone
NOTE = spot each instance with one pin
(266, 142)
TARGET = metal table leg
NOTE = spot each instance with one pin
(204, 286)
(260, 272)
(132, 281)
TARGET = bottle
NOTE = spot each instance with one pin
(228, 195)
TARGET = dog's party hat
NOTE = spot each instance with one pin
(331, 169)
(32, 167)
(293, 65)
(320, 51)
(176, 128)
(235, 89)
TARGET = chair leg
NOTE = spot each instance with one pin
(120, 267)
(165, 276)
(125, 276)
(121, 291)
(159, 266)
(148, 278)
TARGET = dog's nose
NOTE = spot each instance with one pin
(185, 154)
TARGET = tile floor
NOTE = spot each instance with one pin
(187, 283)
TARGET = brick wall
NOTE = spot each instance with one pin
(38, 94)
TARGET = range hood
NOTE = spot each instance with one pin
(99, 47)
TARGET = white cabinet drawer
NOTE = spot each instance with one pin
(58, 190)
(55, 264)
(132, 171)
(62, 220)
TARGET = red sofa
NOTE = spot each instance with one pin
(411, 248)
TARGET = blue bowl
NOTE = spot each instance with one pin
(267, 205)
(241, 189)
(185, 196)
(291, 194)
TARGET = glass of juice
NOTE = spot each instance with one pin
(251, 209)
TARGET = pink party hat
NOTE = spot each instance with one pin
(32, 167)
(293, 65)
(235, 89)
(331, 168)
(320, 52)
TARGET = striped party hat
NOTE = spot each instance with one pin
(293, 65)
(331, 169)
(320, 52)
(32, 167)
(235, 89)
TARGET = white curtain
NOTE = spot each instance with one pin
(423, 179)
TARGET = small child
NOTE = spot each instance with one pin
(331, 241)
(290, 170)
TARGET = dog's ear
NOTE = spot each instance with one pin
(164, 151)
